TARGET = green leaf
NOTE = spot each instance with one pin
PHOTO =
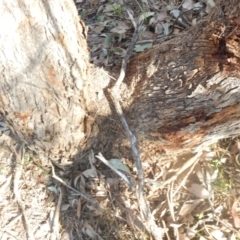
(109, 38)
(117, 163)
(166, 28)
(53, 189)
(141, 48)
(119, 51)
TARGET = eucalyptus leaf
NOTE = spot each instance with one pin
(109, 38)
(166, 28)
(198, 190)
(197, 6)
(175, 13)
(53, 189)
(141, 48)
(145, 15)
(119, 51)
(117, 163)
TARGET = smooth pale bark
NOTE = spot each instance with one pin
(178, 97)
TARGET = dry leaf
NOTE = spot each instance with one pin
(210, 5)
(111, 7)
(94, 2)
(118, 29)
(88, 230)
(82, 184)
(159, 18)
(98, 29)
(91, 158)
(112, 182)
(188, 4)
(121, 28)
(145, 15)
(188, 207)
(219, 235)
(182, 236)
(208, 176)
(101, 191)
(65, 207)
(90, 173)
(235, 211)
(76, 179)
(198, 190)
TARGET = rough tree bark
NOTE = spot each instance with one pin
(46, 85)
(178, 97)
(187, 91)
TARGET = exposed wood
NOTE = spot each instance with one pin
(186, 92)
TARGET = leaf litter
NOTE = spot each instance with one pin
(205, 203)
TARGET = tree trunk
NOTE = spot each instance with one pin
(187, 91)
(178, 97)
(46, 88)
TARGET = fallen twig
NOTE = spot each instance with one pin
(123, 176)
(55, 221)
(170, 202)
(156, 231)
(130, 14)
(18, 172)
(122, 74)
